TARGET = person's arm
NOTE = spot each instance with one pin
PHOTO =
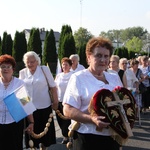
(124, 79)
(54, 98)
(75, 114)
(30, 127)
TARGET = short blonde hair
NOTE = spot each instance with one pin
(116, 57)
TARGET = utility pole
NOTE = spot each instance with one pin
(81, 13)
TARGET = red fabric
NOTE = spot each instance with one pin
(99, 106)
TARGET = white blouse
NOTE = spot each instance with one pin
(37, 86)
(62, 81)
(79, 67)
(81, 87)
(5, 117)
(131, 79)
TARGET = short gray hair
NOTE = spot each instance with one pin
(31, 53)
(75, 56)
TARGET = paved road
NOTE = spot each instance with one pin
(140, 140)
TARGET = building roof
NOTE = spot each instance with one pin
(43, 34)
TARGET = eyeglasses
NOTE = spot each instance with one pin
(31, 62)
(124, 63)
(6, 67)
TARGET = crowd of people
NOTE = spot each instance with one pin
(71, 91)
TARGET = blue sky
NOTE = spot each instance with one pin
(94, 15)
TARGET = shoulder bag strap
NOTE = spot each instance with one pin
(49, 88)
(45, 76)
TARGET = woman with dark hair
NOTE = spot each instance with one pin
(145, 70)
(11, 132)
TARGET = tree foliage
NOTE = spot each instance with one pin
(81, 37)
(135, 44)
(123, 35)
(49, 53)
(122, 52)
(19, 46)
(68, 46)
(4, 43)
(34, 43)
(82, 55)
(8, 44)
(66, 29)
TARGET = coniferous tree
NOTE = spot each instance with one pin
(23, 42)
(17, 47)
(30, 39)
(8, 44)
(66, 29)
(4, 43)
(68, 46)
(49, 54)
(35, 42)
(82, 55)
(45, 50)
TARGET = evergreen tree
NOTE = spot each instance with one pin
(19, 46)
(45, 50)
(30, 39)
(4, 43)
(35, 42)
(68, 46)
(82, 55)
(49, 53)
(66, 29)
(8, 44)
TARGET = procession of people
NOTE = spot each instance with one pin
(74, 94)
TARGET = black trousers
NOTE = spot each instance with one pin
(93, 142)
(11, 136)
(63, 124)
(41, 117)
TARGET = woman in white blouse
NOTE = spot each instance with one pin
(81, 88)
(75, 63)
(11, 132)
(132, 81)
(62, 81)
(37, 89)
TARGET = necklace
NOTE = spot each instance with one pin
(100, 77)
(6, 84)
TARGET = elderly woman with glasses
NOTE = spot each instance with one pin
(11, 132)
(80, 90)
(132, 81)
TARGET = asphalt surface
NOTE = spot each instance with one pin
(139, 141)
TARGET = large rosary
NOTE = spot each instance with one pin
(44, 132)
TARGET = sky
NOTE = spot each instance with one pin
(94, 15)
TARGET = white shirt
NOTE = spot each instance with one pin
(131, 79)
(62, 81)
(79, 67)
(37, 86)
(81, 87)
(5, 117)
